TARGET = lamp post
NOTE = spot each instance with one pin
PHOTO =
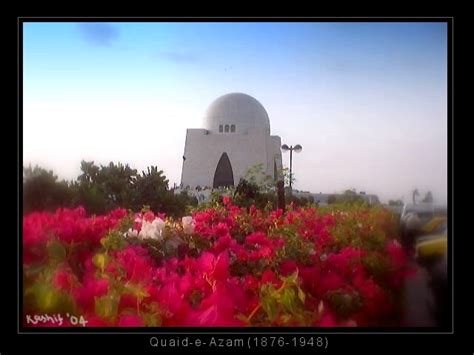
(297, 148)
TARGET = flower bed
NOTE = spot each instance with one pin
(224, 266)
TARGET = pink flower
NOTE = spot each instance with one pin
(221, 229)
(268, 276)
(130, 321)
(226, 200)
(257, 238)
(327, 319)
(90, 289)
(64, 280)
(288, 267)
(96, 321)
(149, 216)
(331, 281)
(215, 267)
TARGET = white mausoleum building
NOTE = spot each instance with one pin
(235, 136)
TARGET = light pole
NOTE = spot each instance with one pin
(297, 148)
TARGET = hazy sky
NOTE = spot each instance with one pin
(367, 101)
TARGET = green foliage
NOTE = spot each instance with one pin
(56, 251)
(115, 240)
(103, 188)
(249, 193)
(349, 197)
(300, 201)
(151, 188)
(43, 191)
(363, 226)
(106, 306)
(257, 177)
(344, 303)
(376, 265)
(296, 248)
(43, 297)
(286, 304)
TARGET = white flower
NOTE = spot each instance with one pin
(152, 230)
(158, 224)
(188, 224)
(131, 233)
(144, 231)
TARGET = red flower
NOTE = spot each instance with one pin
(127, 300)
(130, 321)
(223, 243)
(329, 282)
(221, 230)
(327, 319)
(149, 216)
(288, 267)
(96, 321)
(226, 200)
(214, 267)
(268, 276)
(257, 238)
(64, 280)
(90, 289)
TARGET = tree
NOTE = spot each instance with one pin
(43, 191)
(102, 188)
(256, 175)
(151, 188)
(415, 193)
(349, 196)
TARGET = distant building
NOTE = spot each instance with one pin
(324, 198)
(235, 137)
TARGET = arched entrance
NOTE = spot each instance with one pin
(224, 175)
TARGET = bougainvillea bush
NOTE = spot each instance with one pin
(222, 266)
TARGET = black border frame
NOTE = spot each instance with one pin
(227, 331)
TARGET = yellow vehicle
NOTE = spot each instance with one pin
(433, 240)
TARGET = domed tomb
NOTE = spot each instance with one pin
(236, 113)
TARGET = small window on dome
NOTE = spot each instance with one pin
(227, 128)
(221, 128)
(232, 128)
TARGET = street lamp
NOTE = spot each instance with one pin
(297, 148)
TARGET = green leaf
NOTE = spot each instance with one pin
(301, 295)
(107, 306)
(151, 320)
(242, 317)
(100, 260)
(288, 299)
(46, 297)
(137, 290)
(56, 251)
(293, 278)
(270, 306)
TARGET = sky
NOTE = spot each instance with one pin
(367, 101)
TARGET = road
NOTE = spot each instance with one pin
(418, 300)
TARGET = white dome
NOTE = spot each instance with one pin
(237, 109)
